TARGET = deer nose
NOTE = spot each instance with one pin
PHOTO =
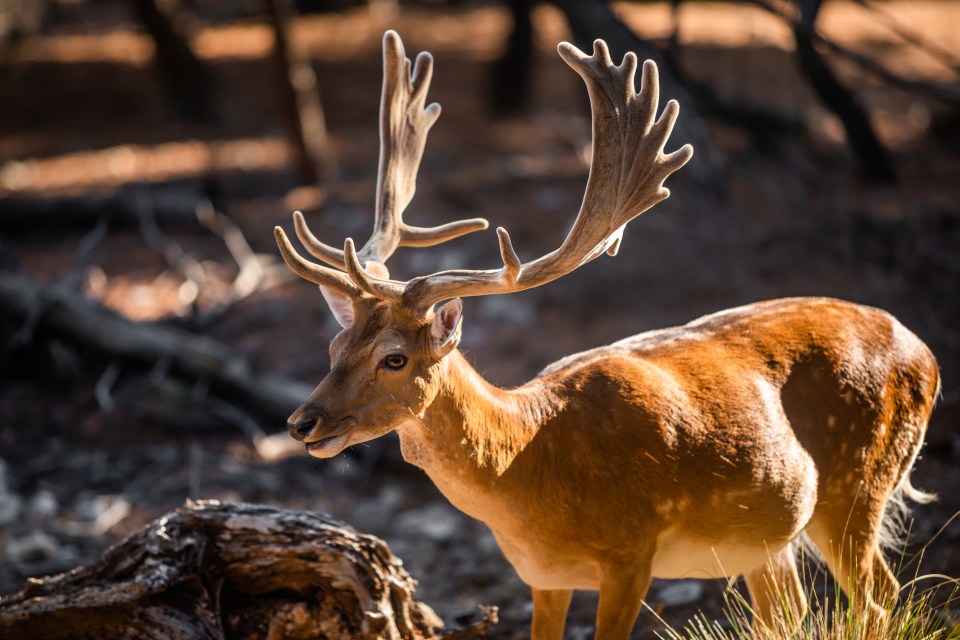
(300, 429)
(304, 420)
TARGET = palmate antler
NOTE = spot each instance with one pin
(626, 178)
(404, 124)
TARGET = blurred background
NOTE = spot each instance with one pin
(151, 340)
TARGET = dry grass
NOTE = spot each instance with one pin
(927, 609)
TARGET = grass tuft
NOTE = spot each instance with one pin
(927, 608)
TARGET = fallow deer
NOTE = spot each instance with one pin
(705, 450)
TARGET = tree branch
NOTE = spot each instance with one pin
(81, 320)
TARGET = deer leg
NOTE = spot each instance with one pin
(549, 613)
(777, 594)
(850, 546)
(622, 589)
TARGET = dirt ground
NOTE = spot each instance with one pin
(84, 114)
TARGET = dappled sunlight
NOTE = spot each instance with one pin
(84, 170)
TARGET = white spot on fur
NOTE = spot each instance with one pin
(665, 507)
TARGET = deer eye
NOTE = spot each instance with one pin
(395, 361)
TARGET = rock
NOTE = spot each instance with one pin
(437, 521)
(680, 592)
(32, 548)
(89, 507)
(579, 632)
(376, 514)
(42, 505)
(10, 508)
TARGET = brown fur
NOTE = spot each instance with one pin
(699, 451)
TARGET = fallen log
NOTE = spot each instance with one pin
(77, 319)
(212, 570)
(123, 208)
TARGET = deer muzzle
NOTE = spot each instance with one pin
(308, 420)
(322, 434)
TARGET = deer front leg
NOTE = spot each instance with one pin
(549, 614)
(622, 589)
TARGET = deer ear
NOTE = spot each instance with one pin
(446, 327)
(340, 304)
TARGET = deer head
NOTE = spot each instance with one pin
(386, 361)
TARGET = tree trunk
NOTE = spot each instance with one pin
(299, 100)
(215, 571)
(873, 159)
(509, 79)
(185, 77)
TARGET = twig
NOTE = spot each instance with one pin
(491, 617)
(24, 335)
(103, 390)
(176, 258)
(196, 469)
(251, 266)
(84, 250)
(159, 371)
(269, 448)
(256, 272)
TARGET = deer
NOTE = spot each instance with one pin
(709, 450)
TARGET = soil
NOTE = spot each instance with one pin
(85, 114)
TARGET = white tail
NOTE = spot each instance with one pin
(700, 451)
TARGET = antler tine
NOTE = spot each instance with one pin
(315, 273)
(626, 178)
(376, 285)
(330, 255)
(404, 125)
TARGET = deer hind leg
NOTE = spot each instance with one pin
(776, 592)
(849, 540)
(549, 614)
(622, 589)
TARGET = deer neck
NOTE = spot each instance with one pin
(473, 432)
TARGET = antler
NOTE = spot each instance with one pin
(626, 178)
(404, 124)
(315, 273)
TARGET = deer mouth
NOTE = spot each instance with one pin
(332, 444)
(327, 447)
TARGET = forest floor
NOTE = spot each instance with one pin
(84, 114)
